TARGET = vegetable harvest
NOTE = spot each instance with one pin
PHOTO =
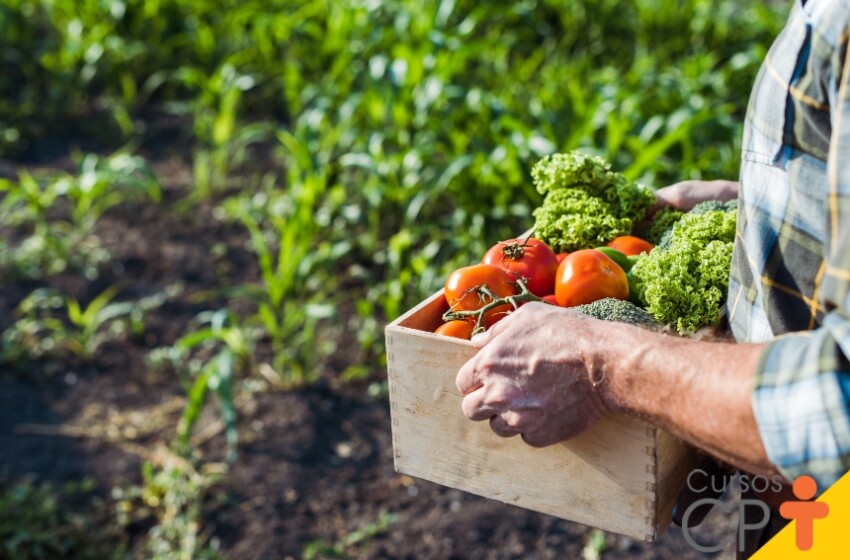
(587, 257)
(526, 258)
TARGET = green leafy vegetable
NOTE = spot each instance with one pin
(664, 219)
(684, 280)
(714, 205)
(612, 309)
(586, 204)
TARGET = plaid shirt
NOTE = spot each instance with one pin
(790, 281)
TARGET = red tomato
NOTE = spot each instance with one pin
(463, 294)
(561, 257)
(588, 275)
(457, 329)
(550, 299)
(530, 259)
(630, 245)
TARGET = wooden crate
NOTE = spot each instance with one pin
(623, 475)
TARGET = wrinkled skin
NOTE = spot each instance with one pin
(543, 391)
(549, 373)
(687, 194)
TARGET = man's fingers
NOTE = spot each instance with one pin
(540, 438)
(668, 196)
(482, 339)
(510, 423)
(490, 400)
(500, 428)
(658, 205)
(467, 378)
(475, 408)
(550, 430)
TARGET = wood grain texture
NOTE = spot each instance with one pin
(609, 477)
(675, 459)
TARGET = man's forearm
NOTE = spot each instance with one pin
(548, 373)
(699, 391)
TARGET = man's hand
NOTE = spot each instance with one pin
(687, 194)
(537, 374)
(550, 373)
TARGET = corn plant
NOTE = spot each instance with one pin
(106, 182)
(435, 155)
(221, 141)
(296, 294)
(594, 545)
(357, 538)
(46, 250)
(208, 359)
(52, 324)
(172, 495)
(57, 213)
(40, 520)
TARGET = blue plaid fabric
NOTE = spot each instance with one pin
(790, 280)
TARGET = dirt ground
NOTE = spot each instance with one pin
(314, 464)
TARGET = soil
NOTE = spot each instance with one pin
(314, 464)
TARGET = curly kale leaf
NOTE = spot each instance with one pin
(664, 219)
(660, 232)
(586, 203)
(684, 280)
(570, 220)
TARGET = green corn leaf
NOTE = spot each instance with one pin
(194, 405)
(89, 316)
(222, 383)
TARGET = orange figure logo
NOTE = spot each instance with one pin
(804, 512)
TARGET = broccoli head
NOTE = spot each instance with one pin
(586, 203)
(612, 309)
(708, 206)
(714, 205)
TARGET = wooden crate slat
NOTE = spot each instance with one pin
(622, 475)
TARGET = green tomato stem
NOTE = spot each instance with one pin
(495, 302)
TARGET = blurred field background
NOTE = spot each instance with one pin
(210, 209)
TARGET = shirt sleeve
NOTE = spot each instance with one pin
(801, 397)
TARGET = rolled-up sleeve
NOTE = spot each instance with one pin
(801, 397)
